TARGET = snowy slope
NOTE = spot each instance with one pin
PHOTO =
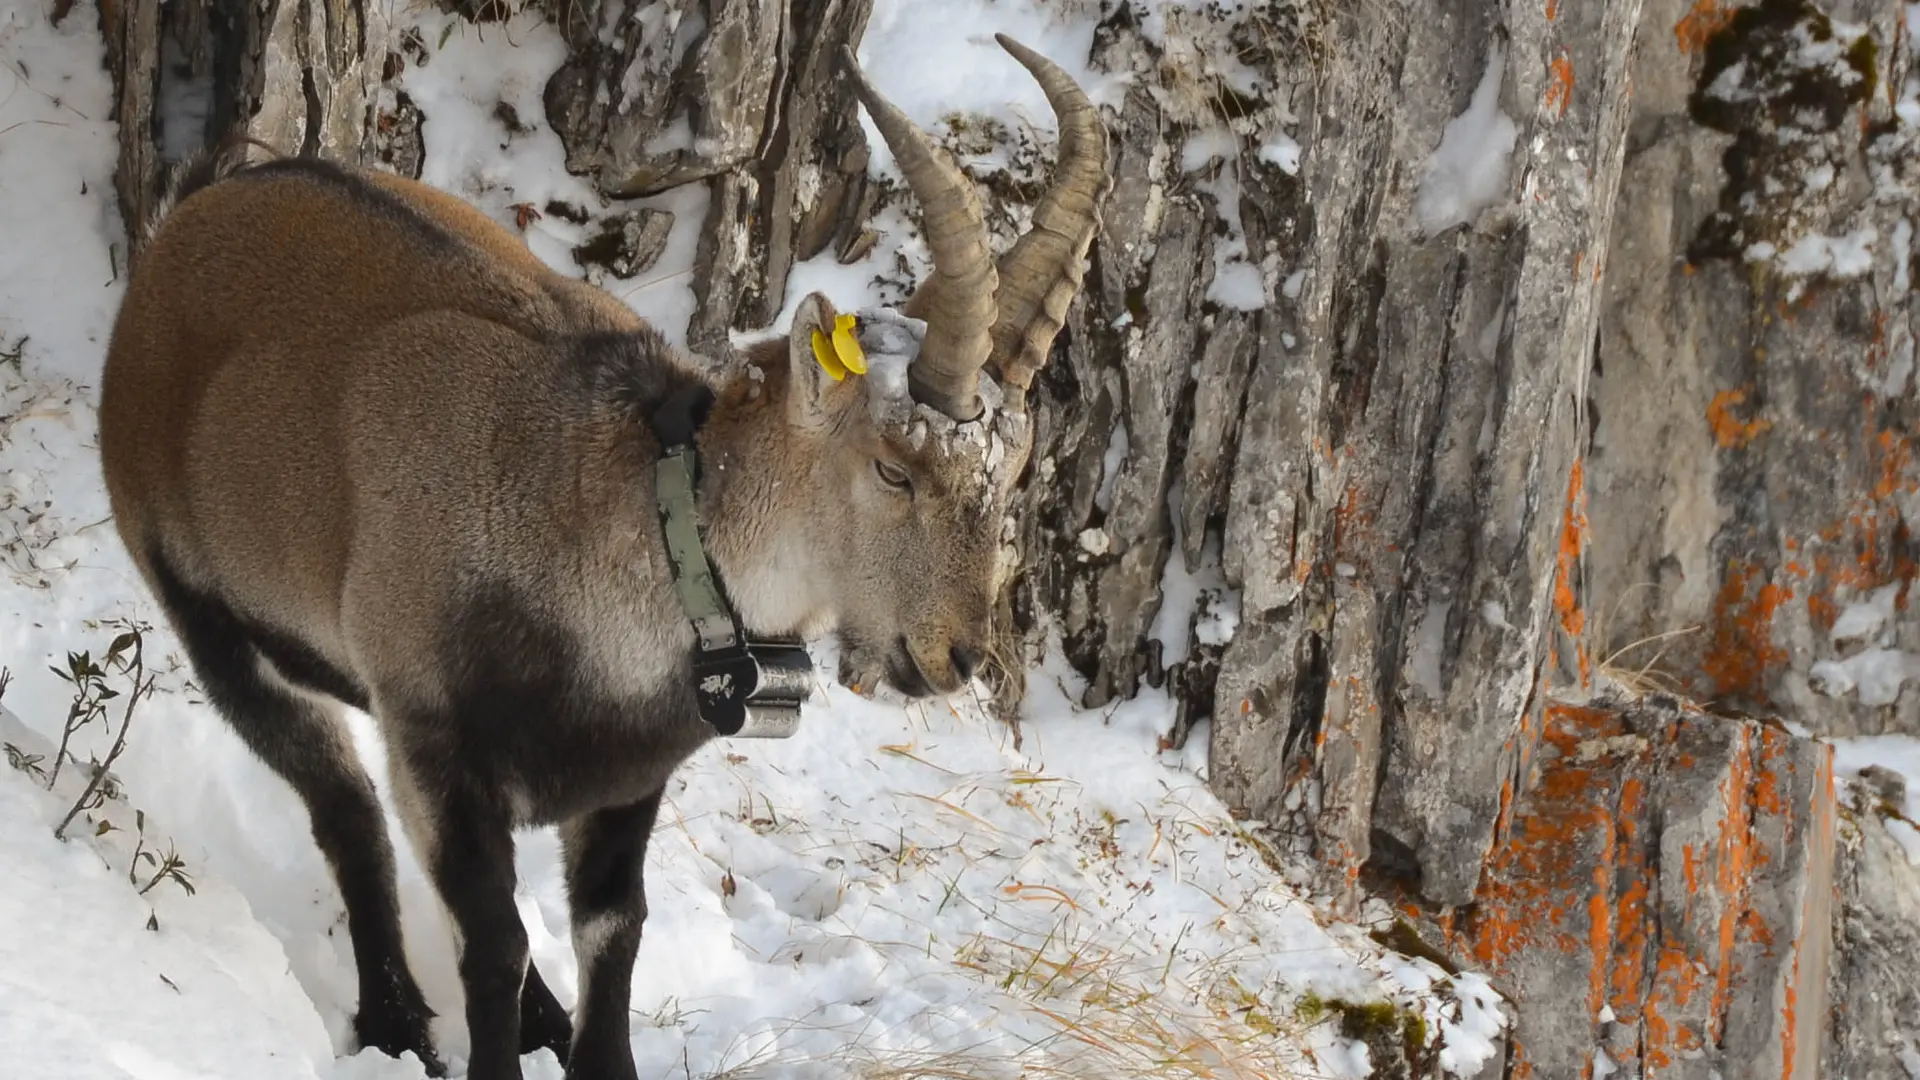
(892, 888)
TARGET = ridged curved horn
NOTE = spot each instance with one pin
(957, 299)
(1042, 272)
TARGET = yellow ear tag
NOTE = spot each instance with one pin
(823, 352)
(846, 346)
(842, 353)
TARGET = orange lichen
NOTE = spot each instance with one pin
(1566, 597)
(1560, 90)
(1742, 653)
(1735, 857)
(1352, 523)
(1731, 432)
(1574, 874)
(1894, 457)
(1698, 26)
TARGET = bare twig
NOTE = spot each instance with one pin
(142, 686)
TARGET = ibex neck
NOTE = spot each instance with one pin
(753, 495)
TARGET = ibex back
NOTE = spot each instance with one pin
(368, 451)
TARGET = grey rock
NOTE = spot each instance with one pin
(625, 244)
(1874, 985)
(674, 91)
(300, 76)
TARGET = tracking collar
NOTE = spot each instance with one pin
(746, 688)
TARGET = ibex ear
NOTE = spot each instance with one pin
(822, 353)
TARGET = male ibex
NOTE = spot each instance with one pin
(368, 451)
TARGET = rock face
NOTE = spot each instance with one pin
(655, 95)
(1660, 900)
(1752, 483)
(1469, 357)
(1874, 988)
(298, 75)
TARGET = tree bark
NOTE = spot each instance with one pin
(1641, 420)
(297, 75)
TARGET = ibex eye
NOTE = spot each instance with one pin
(893, 475)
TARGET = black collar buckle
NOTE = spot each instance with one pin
(753, 690)
(746, 688)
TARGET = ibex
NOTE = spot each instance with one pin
(368, 451)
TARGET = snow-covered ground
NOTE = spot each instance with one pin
(892, 889)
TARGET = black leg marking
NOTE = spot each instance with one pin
(543, 1023)
(606, 897)
(306, 747)
(471, 862)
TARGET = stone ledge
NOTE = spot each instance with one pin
(1873, 990)
(1662, 893)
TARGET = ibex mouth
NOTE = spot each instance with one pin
(903, 671)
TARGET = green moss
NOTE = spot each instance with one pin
(1376, 1023)
(1402, 938)
(1368, 1021)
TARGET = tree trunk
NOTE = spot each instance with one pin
(298, 75)
(1474, 359)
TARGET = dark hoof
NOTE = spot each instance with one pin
(543, 1023)
(395, 1023)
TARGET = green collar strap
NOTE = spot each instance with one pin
(745, 688)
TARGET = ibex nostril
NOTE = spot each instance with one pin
(965, 660)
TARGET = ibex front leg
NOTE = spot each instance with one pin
(463, 834)
(606, 851)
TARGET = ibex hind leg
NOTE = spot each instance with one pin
(544, 1024)
(302, 741)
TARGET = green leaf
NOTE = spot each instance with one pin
(103, 828)
(122, 643)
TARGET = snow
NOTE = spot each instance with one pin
(1195, 605)
(1281, 152)
(1468, 170)
(207, 968)
(1898, 753)
(1875, 672)
(1237, 283)
(472, 154)
(1495, 613)
(1866, 617)
(1841, 256)
(893, 887)
(1470, 1039)
(939, 61)
(1902, 261)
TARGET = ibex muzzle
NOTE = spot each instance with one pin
(369, 451)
